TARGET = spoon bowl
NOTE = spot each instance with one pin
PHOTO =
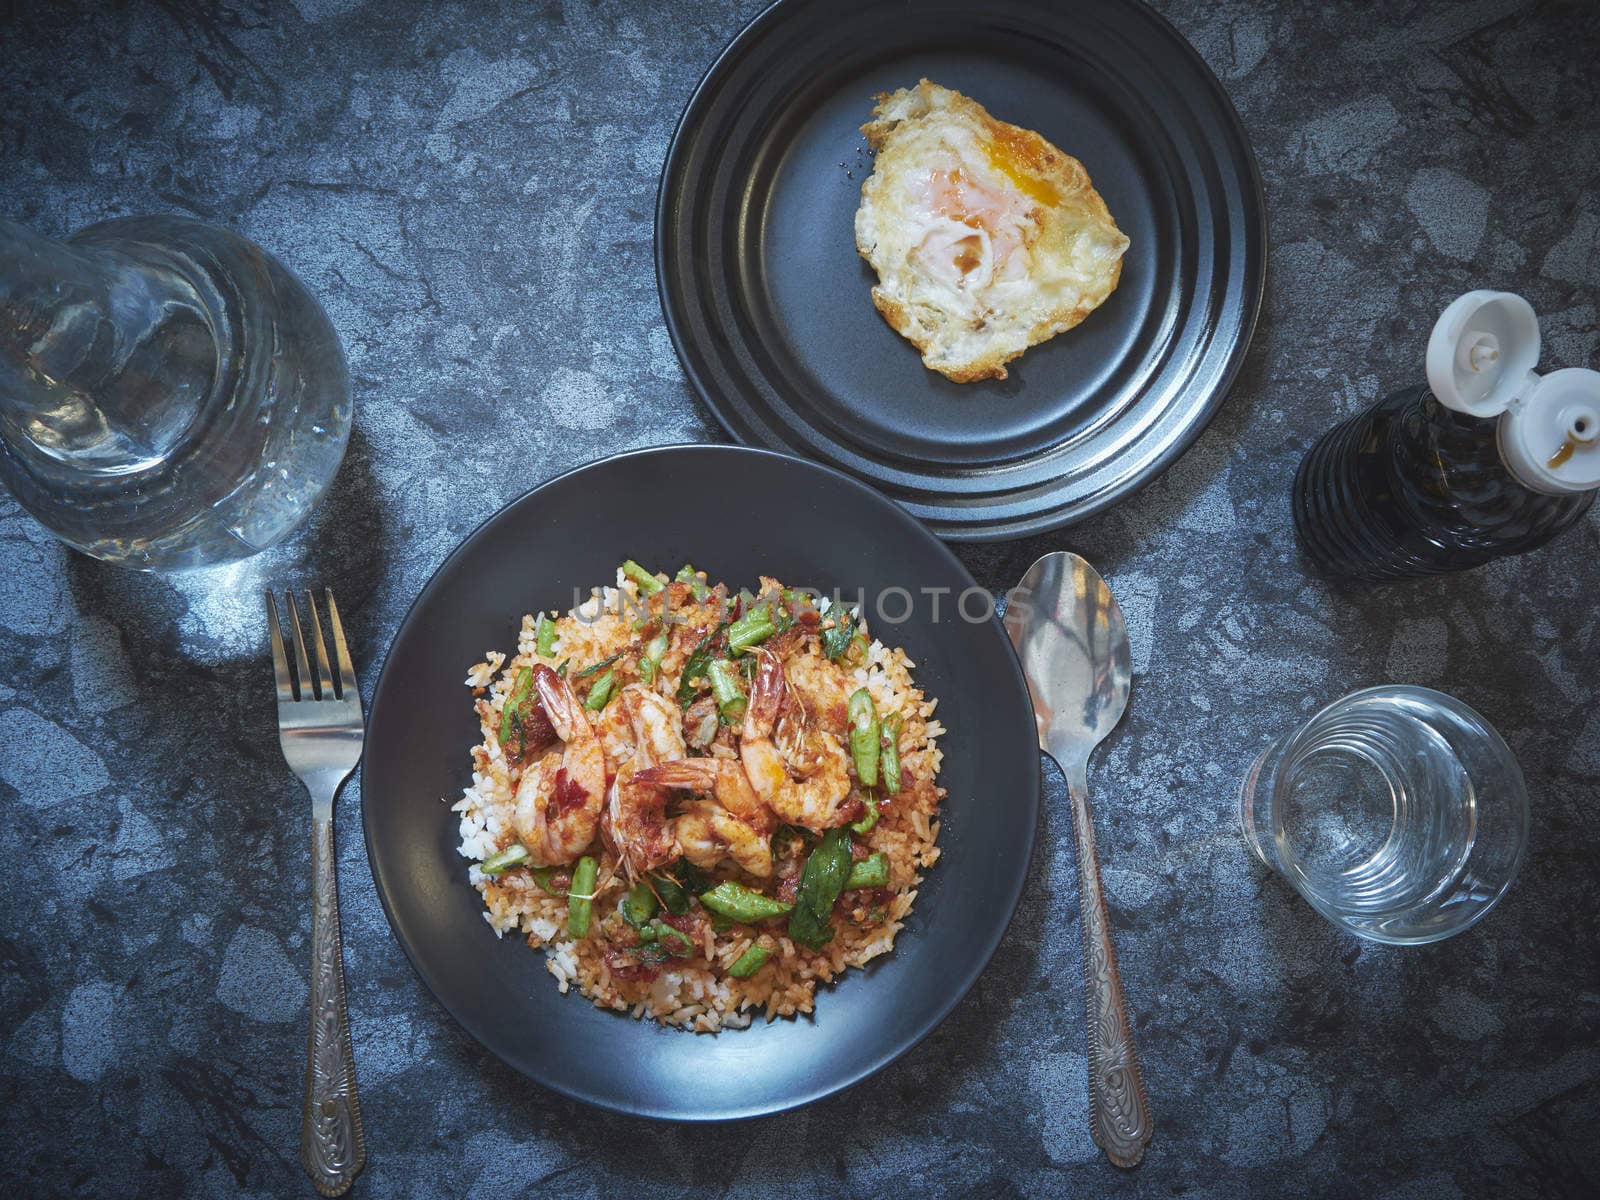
(1070, 635)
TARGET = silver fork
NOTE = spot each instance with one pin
(321, 730)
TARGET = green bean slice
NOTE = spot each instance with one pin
(742, 904)
(644, 580)
(513, 855)
(687, 574)
(580, 899)
(871, 872)
(731, 701)
(864, 737)
(889, 758)
(600, 691)
(868, 818)
(751, 961)
(751, 629)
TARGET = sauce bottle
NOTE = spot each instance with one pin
(1490, 459)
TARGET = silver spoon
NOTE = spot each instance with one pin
(1073, 643)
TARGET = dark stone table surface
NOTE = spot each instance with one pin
(469, 187)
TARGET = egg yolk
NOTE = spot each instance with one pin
(1021, 157)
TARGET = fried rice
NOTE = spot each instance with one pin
(695, 990)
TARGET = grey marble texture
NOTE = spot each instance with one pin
(468, 187)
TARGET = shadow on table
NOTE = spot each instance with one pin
(1110, 539)
(1376, 1016)
(213, 615)
(176, 666)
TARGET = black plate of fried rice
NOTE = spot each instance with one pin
(738, 515)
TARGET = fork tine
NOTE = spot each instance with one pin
(280, 663)
(328, 683)
(347, 670)
(308, 682)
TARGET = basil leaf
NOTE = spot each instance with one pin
(545, 878)
(698, 667)
(820, 884)
(673, 897)
(836, 641)
(665, 932)
(691, 876)
(639, 906)
(516, 701)
(599, 666)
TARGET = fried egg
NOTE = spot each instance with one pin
(985, 237)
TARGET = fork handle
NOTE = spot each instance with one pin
(332, 1143)
(1119, 1110)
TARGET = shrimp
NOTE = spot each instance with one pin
(707, 833)
(639, 716)
(724, 779)
(700, 723)
(819, 687)
(558, 802)
(615, 730)
(657, 725)
(737, 825)
(635, 821)
(636, 824)
(819, 800)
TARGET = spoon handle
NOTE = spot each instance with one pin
(1119, 1110)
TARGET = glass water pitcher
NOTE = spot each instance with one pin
(170, 394)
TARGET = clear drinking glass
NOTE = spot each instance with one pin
(1397, 812)
(170, 394)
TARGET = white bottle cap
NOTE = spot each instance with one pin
(1550, 438)
(1481, 357)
